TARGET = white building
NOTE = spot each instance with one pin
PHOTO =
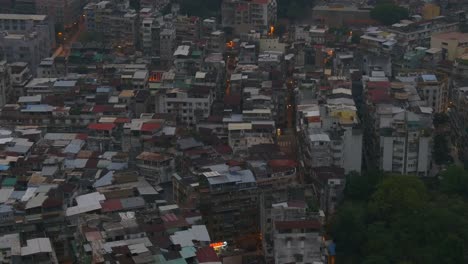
(331, 132)
(26, 38)
(405, 143)
(290, 235)
(190, 105)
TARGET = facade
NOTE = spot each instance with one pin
(452, 44)
(413, 34)
(20, 76)
(405, 144)
(5, 82)
(339, 15)
(331, 132)
(119, 26)
(167, 41)
(157, 168)
(244, 15)
(292, 233)
(63, 12)
(398, 123)
(188, 105)
(187, 28)
(458, 114)
(26, 38)
(434, 90)
(229, 201)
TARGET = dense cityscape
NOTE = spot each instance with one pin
(233, 131)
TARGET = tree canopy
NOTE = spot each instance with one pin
(389, 13)
(398, 219)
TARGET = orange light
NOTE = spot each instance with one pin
(218, 245)
(60, 33)
(272, 30)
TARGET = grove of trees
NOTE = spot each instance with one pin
(401, 219)
(389, 13)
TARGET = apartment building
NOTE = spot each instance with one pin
(458, 113)
(63, 12)
(433, 88)
(412, 34)
(26, 38)
(229, 202)
(189, 105)
(119, 26)
(20, 76)
(187, 28)
(243, 15)
(405, 142)
(167, 42)
(452, 44)
(398, 123)
(156, 167)
(291, 230)
(5, 82)
(331, 132)
(150, 30)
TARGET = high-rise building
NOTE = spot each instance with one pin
(244, 15)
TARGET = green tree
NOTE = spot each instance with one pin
(348, 230)
(397, 195)
(389, 13)
(404, 223)
(360, 187)
(454, 180)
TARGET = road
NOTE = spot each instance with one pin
(64, 49)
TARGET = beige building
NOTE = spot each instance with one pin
(244, 15)
(430, 11)
(452, 44)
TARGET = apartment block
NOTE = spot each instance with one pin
(119, 26)
(243, 15)
(406, 144)
(26, 38)
(63, 12)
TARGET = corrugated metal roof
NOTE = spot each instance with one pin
(101, 127)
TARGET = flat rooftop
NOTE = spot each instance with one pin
(23, 17)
